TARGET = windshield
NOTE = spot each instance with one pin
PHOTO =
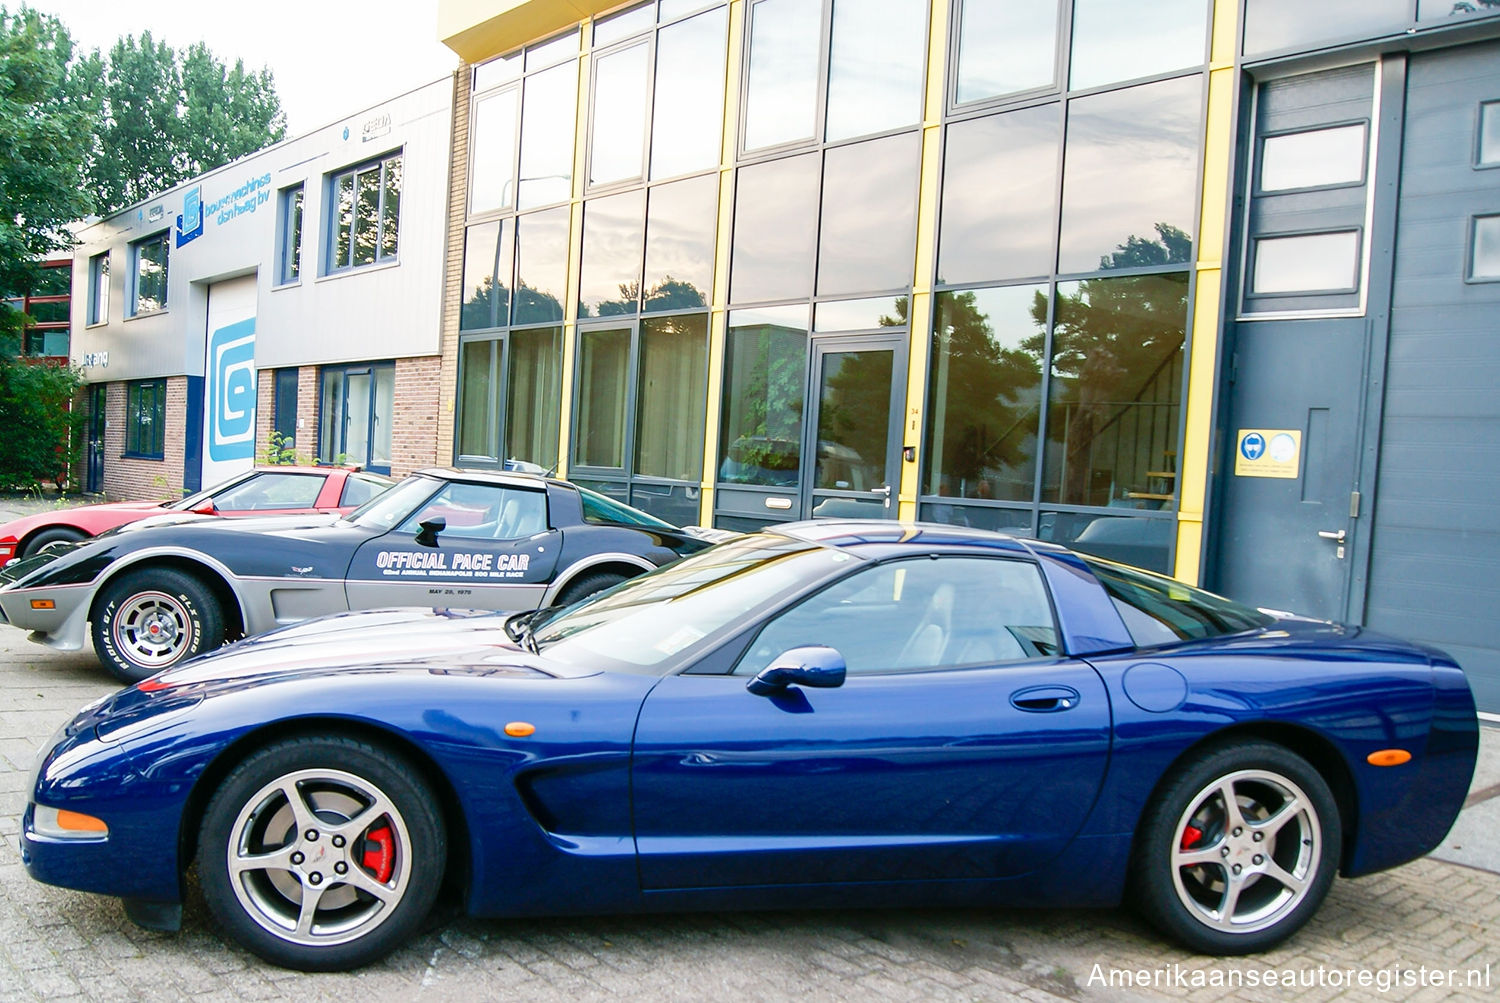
(602, 508)
(385, 510)
(192, 501)
(640, 625)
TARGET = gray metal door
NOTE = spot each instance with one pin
(1435, 558)
(1280, 542)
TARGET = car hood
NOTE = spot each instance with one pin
(419, 638)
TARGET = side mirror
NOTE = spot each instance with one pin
(428, 534)
(207, 508)
(815, 665)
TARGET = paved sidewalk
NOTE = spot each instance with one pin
(63, 945)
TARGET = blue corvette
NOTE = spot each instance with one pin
(828, 714)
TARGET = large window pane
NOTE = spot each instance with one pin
(366, 216)
(1271, 25)
(869, 215)
(775, 225)
(1453, 10)
(1006, 47)
(686, 127)
(619, 126)
(613, 229)
(680, 222)
(985, 393)
(384, 417)
(547, 136)
(765, 380)
(1131, 178)
(492, 152)
(782, 87)
(542, 266)
(672, 406)
(622, 25)
(1120, 41)
(476, 435)
(1489, 134)
(1113, 414)
(877, 66)
(533, 394)
(603, 386)
(999, 213)
(489, 251)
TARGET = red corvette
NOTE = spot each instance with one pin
(262, 491)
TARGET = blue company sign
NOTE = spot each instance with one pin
(231, 392)
(1253, 447)
(242, 201)
(190, 223)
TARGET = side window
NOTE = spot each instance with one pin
(484, 512)
(358, 490)
(1161, 610)
(271, 491)
(920, 614)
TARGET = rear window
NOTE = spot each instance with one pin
(1161, 610)
(599, 508)
(360, 488)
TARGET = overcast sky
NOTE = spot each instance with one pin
(331, 58)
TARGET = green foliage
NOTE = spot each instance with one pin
(44, 435)
(281, 450)
(47, 114)
(167, 117)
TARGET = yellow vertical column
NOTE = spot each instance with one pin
(920, 312)
(719, 317)
(1197, 443)
(575, 243)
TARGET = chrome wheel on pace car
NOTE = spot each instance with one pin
(152, 629)
(1239, 849)
(321, 853)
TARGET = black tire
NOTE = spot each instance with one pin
(1270, 861)
(53, 534)
(363, 800)
(149, 620)
(586, 585)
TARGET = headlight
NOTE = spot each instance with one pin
(61, 823)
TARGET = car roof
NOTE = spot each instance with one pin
(917, 535)
(507, 478)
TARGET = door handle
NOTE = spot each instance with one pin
(884, 491)
(1337, 536)
(1045, 699)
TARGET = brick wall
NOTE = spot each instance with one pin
(130, 479)
(414, 430)
(453, 269)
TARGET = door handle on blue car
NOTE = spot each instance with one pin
(1045, 699)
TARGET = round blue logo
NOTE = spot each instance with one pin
(1253, 446)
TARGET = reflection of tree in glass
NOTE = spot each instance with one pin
(1116, 354)
(674, 294)
(763, 426)
(535, 306)
(479, 310)
(853, 419)
(989, 393)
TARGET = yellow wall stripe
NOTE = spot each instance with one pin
(719, 318)
(575, 242)
(1197, 446)
(919, 313)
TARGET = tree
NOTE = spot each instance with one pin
(166, 119)
(46, 117)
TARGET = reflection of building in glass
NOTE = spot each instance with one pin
(1022, 266)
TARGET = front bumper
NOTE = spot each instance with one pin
(63, 626)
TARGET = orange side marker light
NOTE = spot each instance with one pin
(43, 604)
(79, 822)
(520, 729)
(1388, 757)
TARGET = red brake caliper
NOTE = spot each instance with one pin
(1190, 837)
(380, 853)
